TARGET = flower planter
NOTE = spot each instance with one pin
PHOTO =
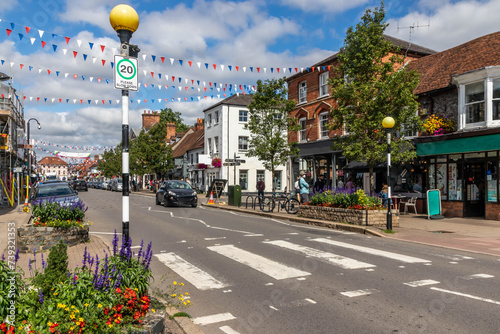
(43, 238)
(349, 216)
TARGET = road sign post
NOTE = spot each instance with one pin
(125, 73)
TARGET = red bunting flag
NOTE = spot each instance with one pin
(8, 32)
(146, 85)
(21, 65)
(75, 53)
(210, 84)
(102, 101)
(166, 100)
(313, 68)
(192, 81)
(103, 62)
(48, 71)
(237, 68)
(2, 96)
(278, 69)
(152, 74)
(224, 95)
(186, 89)
(162, 60)
(98, 79)
(173, 78)
(43, 44)
(67, 40)
(296, 70)
(60, 100)
(74, 76)
(166, 87)
(215, 67)
(24, 98)
(190, 63)
(258, 69)
(28, 30)
(328, 67)
(81, 101)
(37, 99)
(102, 48)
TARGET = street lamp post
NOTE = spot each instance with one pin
(124, 20)
(388, 124)
(29, 149)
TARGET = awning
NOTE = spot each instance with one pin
(459, 145)
(316, 148)
(363, 167)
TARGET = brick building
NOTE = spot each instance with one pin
(311, 92)
(53, 165)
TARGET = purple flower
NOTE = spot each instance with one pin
(16, 258)
(40, 296)
(44, 264)
(140, 249)
(3, 257)
(115, 243)
(118, 279)
(84, 261)
(29, 264)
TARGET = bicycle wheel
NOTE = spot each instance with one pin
(292, 206)
(267, 204)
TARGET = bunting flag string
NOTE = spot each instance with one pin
(53, 100)
(70, 160)
(200, 85)
(153, 58)
(81, 148)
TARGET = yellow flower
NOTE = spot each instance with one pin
(174, 295)
(189, 302)
(99, 305)
(86, 304)
(154, 311)
(72, 327)
(49, 323)
(175, 283)
(80, 319)
(110, 325)
(187, 293)
(72, 306)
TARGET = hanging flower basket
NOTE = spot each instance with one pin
(202, 166)
(217, 162)
(437, 125)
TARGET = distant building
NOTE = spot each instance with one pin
(54, 165)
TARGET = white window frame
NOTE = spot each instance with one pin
(260, 174)
(216, 119)
(209, 144)
(241, 145)
(243, 177)
(303, 91)
(474, 103)
(209, 123)
(216, 145)
(243, 118)
(303, 130)
(323, 84)
(323, 129)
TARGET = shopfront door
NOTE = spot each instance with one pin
(474, 189)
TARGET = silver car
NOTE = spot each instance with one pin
(116, 184)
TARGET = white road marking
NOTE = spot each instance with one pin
(373, 251)
(358, 293)
(228, 330)
(271, 268)
(477, 276)
(293, 233)
(310, 301)
(227, 291)
(199, 278)
(453, 262)
(253, 235)
(212, 319)
(208, 239)
(135, 247)
(273, 308)
(424, 282)
(118, 233)
(341, 261)
(466, 295)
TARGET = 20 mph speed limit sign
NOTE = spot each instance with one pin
(125, 74)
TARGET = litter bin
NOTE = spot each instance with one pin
(234, 195)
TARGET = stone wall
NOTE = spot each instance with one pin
(43, 238)
(355, 217)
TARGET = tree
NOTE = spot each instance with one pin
(371, 84)
(170, 116)
(269, 122)
(111, 164)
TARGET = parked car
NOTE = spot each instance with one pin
(176, 193)
(80, 185)
(59, 192)
(104, 185)
(116, 184)
(98, 184)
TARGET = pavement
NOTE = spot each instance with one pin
(464, 234)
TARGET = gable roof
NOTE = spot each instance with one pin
(192, 139)
(234, 100)
(436, 70)
(52, 161)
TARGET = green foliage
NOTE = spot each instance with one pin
(57, 268)
(172, 293)
(51, 211)
(170, 116)
(341, 199)
(370, 85)
(111, 164)
(11, 285)
(269, 123)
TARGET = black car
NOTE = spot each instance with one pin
(59, 192)
(176, 193)
(80, 185)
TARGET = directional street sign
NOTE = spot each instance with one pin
(231, 164)
(229, 160)
(125, 73)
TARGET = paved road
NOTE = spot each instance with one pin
(249, 274)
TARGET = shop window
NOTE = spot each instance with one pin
(474, 103)
(244, 179)
(260, 175)
(441, 179)
(277, 180)
(492, 180)
(454, 182)
(496, 100)
(432, 176)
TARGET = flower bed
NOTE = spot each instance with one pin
(108, 295)
(342, 206)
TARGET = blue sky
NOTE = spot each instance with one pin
(275, 34)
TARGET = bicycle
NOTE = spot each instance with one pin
(291, 205)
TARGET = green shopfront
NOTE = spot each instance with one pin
(464, 167)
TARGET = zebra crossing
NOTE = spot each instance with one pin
(204, 280)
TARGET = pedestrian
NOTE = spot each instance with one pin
(261, 186)
(304, 188)
(350, 186)
(319, 184)
(187, 180)
(384, 194)
(297, 188)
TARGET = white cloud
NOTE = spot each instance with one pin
(450, 25)
(8, 5)
(333, 6)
